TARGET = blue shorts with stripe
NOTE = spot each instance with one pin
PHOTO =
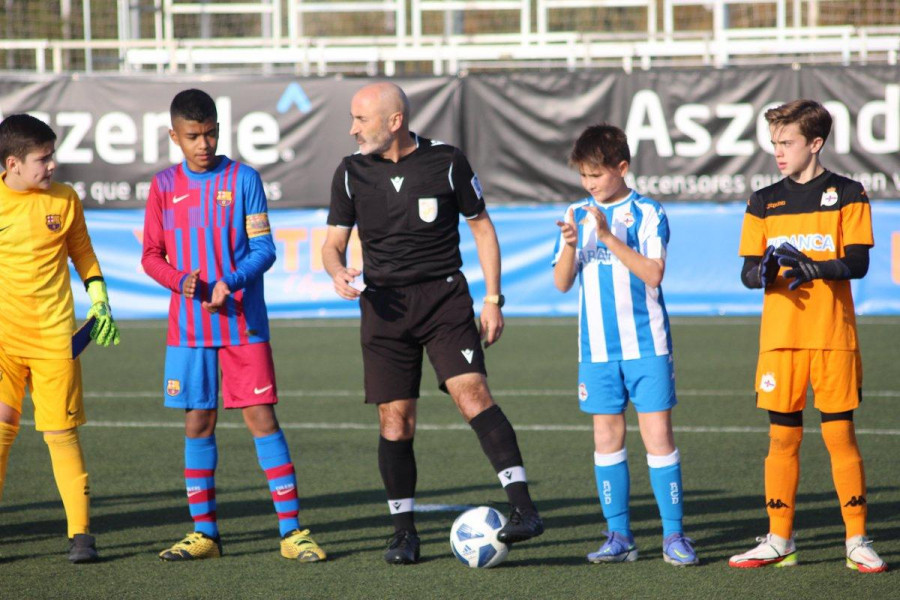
(605, 388)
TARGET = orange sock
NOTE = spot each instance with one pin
(7, 437)
(782, 475)
(848, 473)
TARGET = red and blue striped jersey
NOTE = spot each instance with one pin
(217, 222)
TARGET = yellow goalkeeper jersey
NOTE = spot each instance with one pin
(39, 231)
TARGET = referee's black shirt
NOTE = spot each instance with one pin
(407, 212)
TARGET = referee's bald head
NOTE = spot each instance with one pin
(386, 98)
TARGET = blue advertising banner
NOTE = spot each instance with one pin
(702, 270)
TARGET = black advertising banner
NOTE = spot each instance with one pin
(695, 134)
(113, 131)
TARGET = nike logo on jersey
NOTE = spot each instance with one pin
(178, 199)
(397, 181)
(259, 391)
(468, 354)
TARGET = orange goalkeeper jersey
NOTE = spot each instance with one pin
(39, 231)
(820, 218)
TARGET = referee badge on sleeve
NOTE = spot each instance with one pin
(428, 209)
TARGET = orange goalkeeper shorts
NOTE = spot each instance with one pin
(782, 378)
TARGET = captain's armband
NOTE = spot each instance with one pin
(257, 225)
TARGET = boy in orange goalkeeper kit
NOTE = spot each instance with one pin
(41, 227)
(803, 239)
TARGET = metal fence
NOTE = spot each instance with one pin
(438, 36)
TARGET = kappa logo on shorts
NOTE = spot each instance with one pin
(582, 392)
(173, 387)
(767, 382)
(468, 355)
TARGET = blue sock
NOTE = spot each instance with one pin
(613, 486)
(200, 458)
(275, 459)
(665, 479)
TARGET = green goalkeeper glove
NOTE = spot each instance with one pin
(105, 329)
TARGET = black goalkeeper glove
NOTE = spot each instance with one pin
(768, 267)
(801, 268)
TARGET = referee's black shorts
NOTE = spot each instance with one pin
(398, 322)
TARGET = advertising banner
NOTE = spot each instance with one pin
(695, 134)
(702, 269)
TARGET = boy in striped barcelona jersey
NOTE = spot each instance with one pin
(615, 242)
(207, 239)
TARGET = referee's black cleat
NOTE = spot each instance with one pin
(82, 549)
(522, 525)
(403, 549)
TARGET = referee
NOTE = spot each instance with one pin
(405, 194)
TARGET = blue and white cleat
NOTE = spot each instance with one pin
(677, 550)
(617, 548)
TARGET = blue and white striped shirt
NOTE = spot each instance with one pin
(619, 316)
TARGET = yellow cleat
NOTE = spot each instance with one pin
(298, 545)
(194, 546)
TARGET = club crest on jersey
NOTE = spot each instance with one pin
(767, 382)
(54, 222)
(829, 196)
(173, 387)
(428, 209)
(582, 392)
(628, 219)
(224, 197)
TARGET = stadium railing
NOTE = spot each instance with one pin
(401, 41)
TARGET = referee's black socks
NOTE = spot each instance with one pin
(498, 440)
(397, 464)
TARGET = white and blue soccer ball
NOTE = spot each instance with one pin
(473, 538)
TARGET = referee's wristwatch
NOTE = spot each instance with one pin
(499, 300)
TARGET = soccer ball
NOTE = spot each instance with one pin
(473, 538)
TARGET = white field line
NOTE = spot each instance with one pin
(448, 427)
(541, 393)
(161, 324)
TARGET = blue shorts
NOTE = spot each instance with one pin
(191, 379)
(605, 388)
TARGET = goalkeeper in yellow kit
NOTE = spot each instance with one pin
(42, 226)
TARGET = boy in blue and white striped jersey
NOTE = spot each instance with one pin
(615, 242)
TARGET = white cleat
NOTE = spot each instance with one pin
(773, 550)
(862, 557)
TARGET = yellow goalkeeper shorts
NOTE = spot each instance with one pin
(782, 378)
(55, 386)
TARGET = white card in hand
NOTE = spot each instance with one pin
(358, 284)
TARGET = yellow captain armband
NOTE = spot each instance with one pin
(257, 225)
